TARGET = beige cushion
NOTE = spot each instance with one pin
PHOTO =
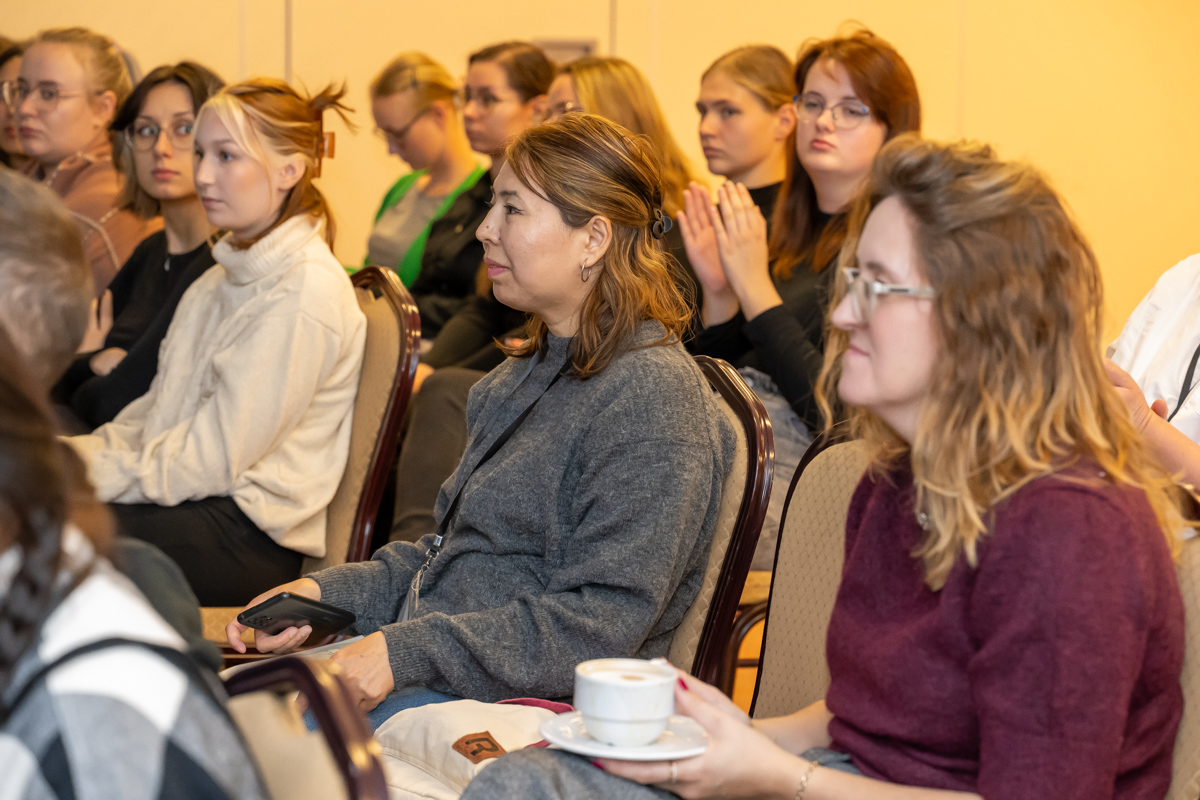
(295, 764)
(374, 391)
(807, 574)
(215, 618)
(1185, 778)
(687, 635)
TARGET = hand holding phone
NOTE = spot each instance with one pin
(288, 639)
(286, 610)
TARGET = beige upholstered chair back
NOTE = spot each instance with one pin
(389, 337)
(340, 760)
(294, 762)
(687, 635)
(808, 569)
(1185, 778)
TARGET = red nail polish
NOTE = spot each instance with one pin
(682, 685)
(598, 765)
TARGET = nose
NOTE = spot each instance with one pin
(22, 104)
(202, 171)
(707, 125)
(162, 145)
(844, 317)
(824, 120)
(471, 109)
(487, 231)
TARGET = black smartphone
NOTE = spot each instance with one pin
(286, 610)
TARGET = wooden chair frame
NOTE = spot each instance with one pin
(760, 461)
(339, 720)
(385, 283)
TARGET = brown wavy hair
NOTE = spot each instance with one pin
(617, 90)
(1020, 390)
(267, 113)
(883, 81)
(42, 487)
(588, 166)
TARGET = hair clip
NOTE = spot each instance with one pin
(662, 224)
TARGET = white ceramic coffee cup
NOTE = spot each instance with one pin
(625, 701)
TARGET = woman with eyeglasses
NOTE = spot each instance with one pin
(117, 365)
(11, 153)
(1008, 623)
(71, 83)
(422, 227)
(764, 296)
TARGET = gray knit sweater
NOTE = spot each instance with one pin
(585, 536)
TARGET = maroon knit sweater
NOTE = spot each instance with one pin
(1051, 670)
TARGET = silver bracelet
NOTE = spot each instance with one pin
(800, 787)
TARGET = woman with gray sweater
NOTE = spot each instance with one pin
(579, 520)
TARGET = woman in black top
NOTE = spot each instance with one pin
(764, 298)
(120, 354)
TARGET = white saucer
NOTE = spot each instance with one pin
(683, 738)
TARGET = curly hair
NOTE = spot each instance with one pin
(587, 166)
(1020, 390)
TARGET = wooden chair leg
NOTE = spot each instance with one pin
(748, 617)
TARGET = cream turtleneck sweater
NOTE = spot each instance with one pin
(254, 393)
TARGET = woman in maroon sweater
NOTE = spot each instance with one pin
(1008, 623)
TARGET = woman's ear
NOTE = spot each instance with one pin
(785, 121)
(289, 173)
(539, 105)
(599, 236)
(106, 105)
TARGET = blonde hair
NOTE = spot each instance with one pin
(102, 61)
(266, 113)
(415, 72)
(762, 70)
(587, 166)
(617, 90)
(1020, 391)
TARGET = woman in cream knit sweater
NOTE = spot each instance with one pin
(229, 461)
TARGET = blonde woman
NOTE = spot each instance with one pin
(618, 91)
(228, 463)
(423, 227)
(747, 119)
(71, 83)
(1008, 623)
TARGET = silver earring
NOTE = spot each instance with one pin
(585, 272)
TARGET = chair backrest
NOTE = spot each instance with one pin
(384, 389)
(339, 760)
(808, 568)
(1185, 769)
(700, 638)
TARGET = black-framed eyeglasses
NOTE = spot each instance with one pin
(397, 136)
(45, 95)
(143, 136)
(484, 98)
(847, 115)
(865, 293)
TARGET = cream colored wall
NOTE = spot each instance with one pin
(1098, 93)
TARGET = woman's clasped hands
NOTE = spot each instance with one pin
(727, 246)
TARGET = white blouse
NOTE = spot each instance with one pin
(1159, 340)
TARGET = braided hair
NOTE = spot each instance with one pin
(42, 483)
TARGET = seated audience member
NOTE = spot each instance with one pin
(155, 124)
(579, 521)
(11, 154)
(1154, 366)
(45, 291)
(421, 228)
(229, 461)
(81, 714)
(72, 81)
(763, 299)
(434, 440)
(970, 654)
